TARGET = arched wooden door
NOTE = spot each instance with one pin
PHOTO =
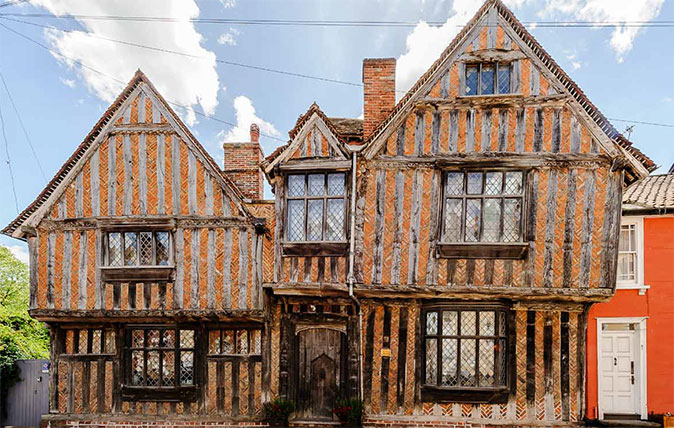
(319, 372)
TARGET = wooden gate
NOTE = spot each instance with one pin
(321, 371)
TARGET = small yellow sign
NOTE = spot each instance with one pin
(386, 352)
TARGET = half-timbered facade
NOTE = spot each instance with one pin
(436, 259)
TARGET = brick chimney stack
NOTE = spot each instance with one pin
(379, 97)
(242, 164)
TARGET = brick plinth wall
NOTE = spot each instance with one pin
(242, 164)
(450, 422)
(379, 96)
(102, 422)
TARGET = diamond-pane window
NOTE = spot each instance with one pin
(145, 246)
(316, 184)
(114, 249)
(314, 219)
(162, 246)
(431, 360)
(468, 344)
(154, 356)
(335, 220)
(512, 212)
(454, 183)
(513, 183)
(473, 219)
(503, 79)
(130, 249)
(488, 210)
(487, 78)
(493, 183)
(492, 220)
(471, 80)
(296, 220)
(138, 248)
(296, 185)
(319, 213)
(336, 184)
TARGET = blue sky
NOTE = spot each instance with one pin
(627, 75)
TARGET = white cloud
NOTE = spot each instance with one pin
(18, 251)
(229, 38)
(228, 3)
(608, 11)
(68, 82)
(426, 43)
(245, 116)
(183, 80)
(575, 62)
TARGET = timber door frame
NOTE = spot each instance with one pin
(640, 353)
(304, 324)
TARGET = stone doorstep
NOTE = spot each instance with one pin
(627, 423)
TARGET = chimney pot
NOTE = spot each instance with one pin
(254, 133)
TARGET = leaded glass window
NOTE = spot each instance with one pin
(316, 207)
(465, 347)
(483, 206)
(160, 357)
(487, 79)
(243, 342)
(138, 248)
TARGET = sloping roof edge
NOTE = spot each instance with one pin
(543, 55)
(80, 151)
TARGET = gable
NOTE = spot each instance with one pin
(142, 161)
(314, 137)
(494, 35)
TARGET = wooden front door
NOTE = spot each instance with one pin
(320, 371)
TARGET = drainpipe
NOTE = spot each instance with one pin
(352, 249)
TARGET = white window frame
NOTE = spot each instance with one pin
(638, 282)
(641, 355)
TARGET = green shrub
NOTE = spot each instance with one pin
(278, 411)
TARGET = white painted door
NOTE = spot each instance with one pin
(618, 380)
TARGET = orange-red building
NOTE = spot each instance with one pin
(630, 354)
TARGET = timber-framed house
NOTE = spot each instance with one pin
(436, 259)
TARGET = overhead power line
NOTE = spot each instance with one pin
(83, 65)
(12, 3)
(9, 161)
(30, 143)
(221, 61)
(333, 23)
(185, 54)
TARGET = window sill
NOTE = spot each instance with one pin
(512, 251)
(465, 395)
(641, 287)
(136, 273)
(314, 249)
(149, 393)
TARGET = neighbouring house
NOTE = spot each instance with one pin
(630, 356)
(437, 259)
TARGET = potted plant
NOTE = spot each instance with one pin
(349, 412)
(277, 412)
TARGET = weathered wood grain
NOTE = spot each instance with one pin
(419, 133)
(398, 198)
(611, 232)
(142, 171)
(470, 130)
(434, 229)
(453, 130)
(175, 169)
(128, 175)
(112, 176)
(435, 132)
(485, 144)
(179, 283)
(586, 237)
(415, 224)
(503, 123)
(569, 229)
(550, 222)
(244, 237)
(378, 250)
(83, 264)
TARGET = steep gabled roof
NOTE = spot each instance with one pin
(654, 193)
(99, 128)
(340, 138)
(543, 56)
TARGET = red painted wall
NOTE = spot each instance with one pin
(658, 305)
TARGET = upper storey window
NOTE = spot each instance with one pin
(483, 207)
(487, 79)
(138, 248)
(316, 206)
